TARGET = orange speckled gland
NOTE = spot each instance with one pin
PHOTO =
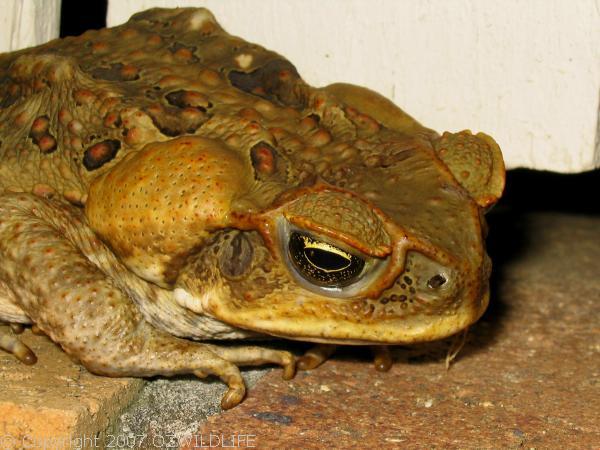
(84, 96)
(47, 143)
(129, 72)
(351, 112)
(170, 81)
(137, 54)
(368, 123)
(210, 78)
(170, 195)
(40, 125)
(22, 118)
(43, 190)
(128, 33)
(191, 114)
(320, 138)
(249, 114)
(64, 116)
(111, 120)
(319, 102)
(265, 160)
(99, 151)
(253, 128)
(307, 124)
(195, 99)
(75, 127)
(183, 54)
(73, 196)
(100, 48)
(154, 40)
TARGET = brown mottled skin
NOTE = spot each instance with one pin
(153, 177)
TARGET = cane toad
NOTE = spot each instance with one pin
(165, 184)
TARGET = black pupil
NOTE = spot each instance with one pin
(322, 263)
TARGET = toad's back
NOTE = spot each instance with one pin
(71, 109)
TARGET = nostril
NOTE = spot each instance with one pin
(436, 281)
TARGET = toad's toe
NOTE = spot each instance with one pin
(382, 358)
(316, 356)
(13, 345)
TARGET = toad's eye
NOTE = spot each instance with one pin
(323, 264)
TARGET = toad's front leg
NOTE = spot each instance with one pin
(46, 254)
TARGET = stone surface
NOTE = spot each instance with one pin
(56, 403)
(528, 376)
(168, 410)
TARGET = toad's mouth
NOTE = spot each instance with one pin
(346, 330)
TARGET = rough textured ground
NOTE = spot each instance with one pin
(168, 410)
(528, 376)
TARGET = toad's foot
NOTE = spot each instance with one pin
(246, 356)
(162, 354)
(382, 358)
(255, 356)
(317, 355)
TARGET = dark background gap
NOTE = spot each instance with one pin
(533, 190)
(76, 16)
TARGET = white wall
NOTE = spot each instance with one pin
(526, 72)
(25, 23)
